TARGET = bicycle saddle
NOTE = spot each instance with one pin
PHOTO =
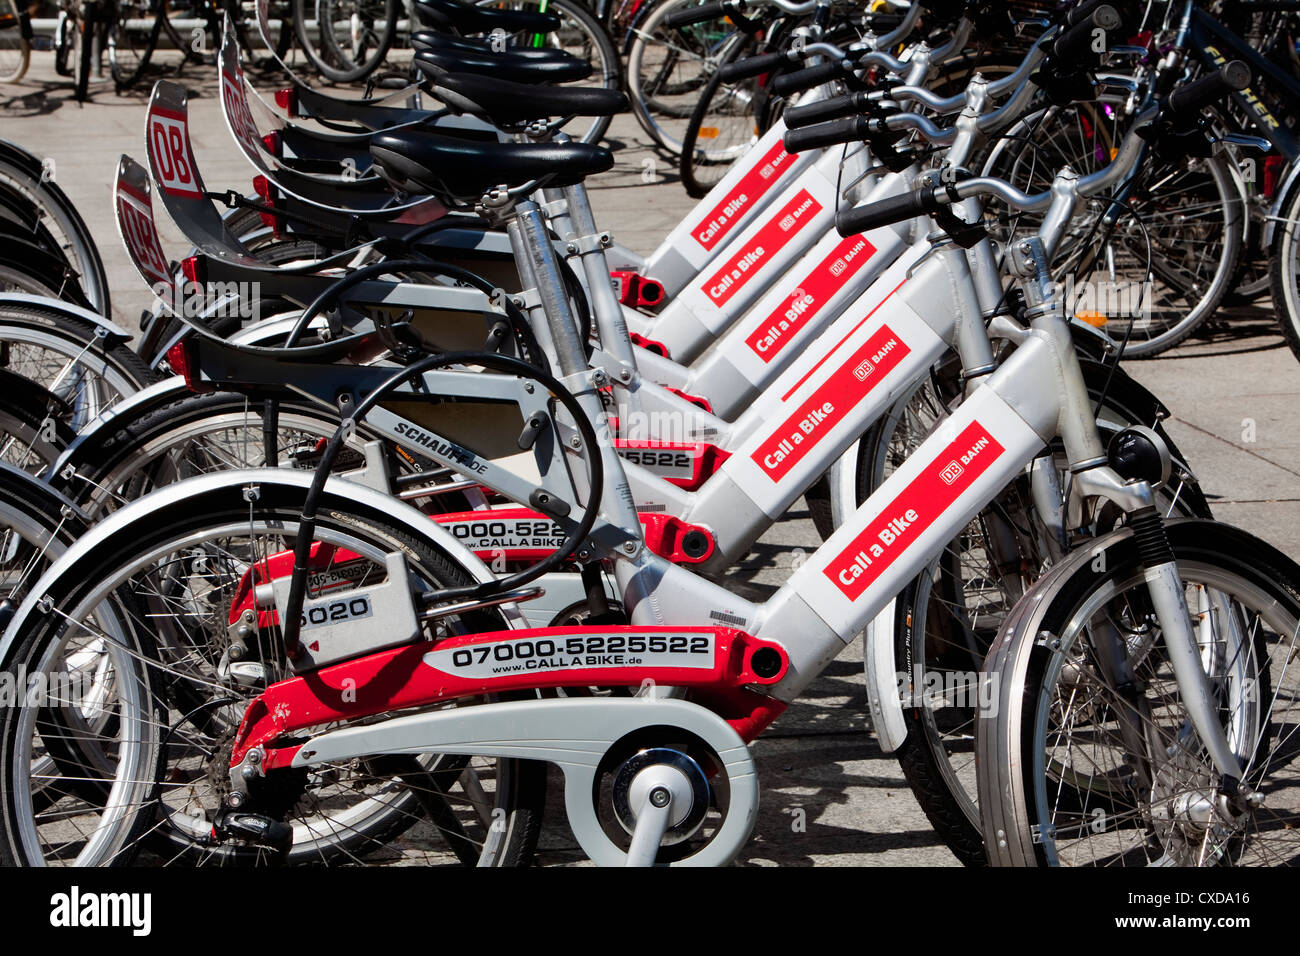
(433, 40)
(419, 162)
(504, 103)
(450, 15)
(508, 66)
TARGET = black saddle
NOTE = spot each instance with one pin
(463, 18)
(508, 66)
(504, 103)
(420, 162)
(433, 40)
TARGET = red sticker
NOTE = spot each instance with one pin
(751, 188)
(841, 265)
(237, 111)
(135, 216)
(731, 278)
(169, 148)
(915, 509)
(800, 433)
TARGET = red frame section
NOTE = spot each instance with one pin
(399, 679)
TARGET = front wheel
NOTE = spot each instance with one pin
(1088, 756)
(353, 36)
(1284, 268)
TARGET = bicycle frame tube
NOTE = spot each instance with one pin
(1206, 36)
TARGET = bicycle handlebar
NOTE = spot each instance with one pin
(1186, 102)
(715, 11)
(1183, 103)
(751, 66)
(1076, 41)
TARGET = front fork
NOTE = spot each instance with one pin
(1094, 478)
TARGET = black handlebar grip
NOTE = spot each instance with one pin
(801, 80)
(852, 129)
(751, 66)
(707, 11)
(821, 111)
(886, 212)
(1188, 100)
(1076, 42)
(1083, 11)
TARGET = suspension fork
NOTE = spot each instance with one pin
(1093, 477)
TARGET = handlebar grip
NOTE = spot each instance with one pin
(886, 212)
(683, 18)
(821, 111)
(1188, 100)
(1076, 42)
(1083, 11)
(751, 66)
(806, 79)
(852, 129)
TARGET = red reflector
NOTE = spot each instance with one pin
(272, 143)
(183, 357)
(192, 268)
(287, 100)
(262, 186)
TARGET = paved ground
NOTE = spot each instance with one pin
(1235, 397)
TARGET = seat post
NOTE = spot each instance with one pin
(540, 256)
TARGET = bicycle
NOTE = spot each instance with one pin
(15, 42)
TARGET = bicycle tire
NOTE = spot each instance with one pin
(336, 58)
(1284, 269)
(943, 790)
(703, 166)
(129, 67)
(663, 88)
(130, 547)
(25, 175)
(1047, 799)
(15, 49)
(1206, 209)
(582, 35)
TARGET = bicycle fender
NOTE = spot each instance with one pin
(86, 558)
(116, 332)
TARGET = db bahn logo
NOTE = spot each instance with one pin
(951, 472)
(865, 369)
(838, 267)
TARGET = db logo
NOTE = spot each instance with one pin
(951, 472)
(865, 369)
(787, 223)
(838, 266)
(767, 171)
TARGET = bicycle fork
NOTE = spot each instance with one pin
(1094, 477)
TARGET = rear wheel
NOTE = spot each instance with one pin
(137, 755)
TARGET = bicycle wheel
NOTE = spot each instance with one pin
(723, 127)
(582, 35)
(199, 435)
(668, 67)
(71, 358)
(161, 762)
(1092, 760)
(353, 36)
(1284, 268)
(1192, 210)
(132, 39)
(946, 618)
(29, 180)
(15, 49)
